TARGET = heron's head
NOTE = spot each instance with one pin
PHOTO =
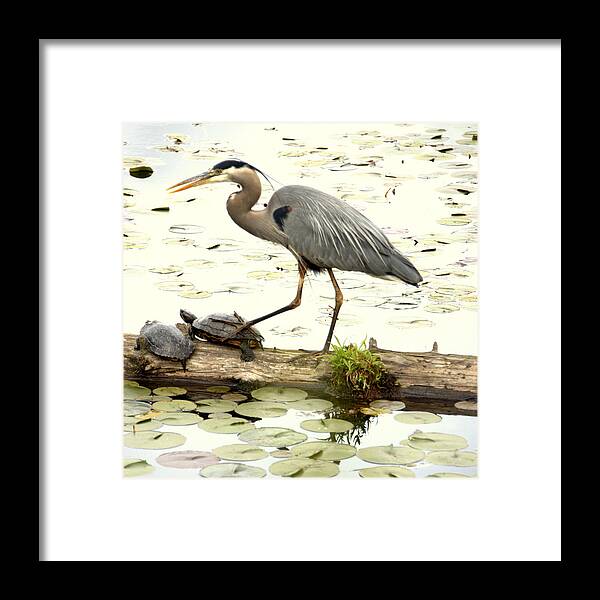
(232, 170)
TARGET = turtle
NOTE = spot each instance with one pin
(166, 341)
(221, 328)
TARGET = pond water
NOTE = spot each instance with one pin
(417, 181)
(358, 432)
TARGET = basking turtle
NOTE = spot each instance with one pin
(166, 341)
(221, 329)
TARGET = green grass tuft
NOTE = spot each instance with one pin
(356, 370)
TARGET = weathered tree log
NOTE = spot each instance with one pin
(418, 375)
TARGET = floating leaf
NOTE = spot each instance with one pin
(417, 418)
(452, 458)
(231, 425)
(219, 415)
(436, 441)
(389, 404)
(218, 389)
(234, 396)
(469, 405)
(261, 410)
(179, 418)
(391, 455)
(323, 451)
(186, 229)
(304, 467)
(277, 437)
(132, 467)
(166, 270)
(311, 405)
(153, 440)
(242, 452)
(449, 475)
(169, 391)
(187, 459)
(131, 408)
(140, 423)
(386, 472)
(279, 394)
(327, 425)
(232, 470)
(441, 308)
(196, 294)
(265, 275)
(131, 392)
(208, 405)
(141, 172)
(200, 263)
(281, 454)
(175, 286)
(455, 221)
(173, 406)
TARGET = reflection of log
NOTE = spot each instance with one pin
(419, 375)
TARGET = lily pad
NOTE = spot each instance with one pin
(389, 404)
(311, 405)
(441, 308)
(391, 455)
(179, 418)
(235, 396)
(240, 452)
(326, 425)
(436, 441)
(186, 229)
(281, 453)
(231, 425)
(196, 294)
(141, 172)
(169, 391)
(132, 467)
(261, 410)
(417, 418)
(153, 440)
(277, 437)
(187, 459)
(208, 405)
(452, 458)
(219, 415)
(450, 475)
(279, 394)
(304, 467)
(232, 470)
(175, 286)
(174, 406)
(323, 451)
(386, 472)
(141, 423)
(131, 392)
(218, 389)
(469, 405)
(132, 408)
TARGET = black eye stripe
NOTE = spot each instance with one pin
(226, 164)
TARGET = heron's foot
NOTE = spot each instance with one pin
(313, 356)
(236, 332)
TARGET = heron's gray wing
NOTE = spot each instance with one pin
(331, 233)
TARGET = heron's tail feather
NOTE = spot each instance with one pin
(402, 268)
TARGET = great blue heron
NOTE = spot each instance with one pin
(322, 232)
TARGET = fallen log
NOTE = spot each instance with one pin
(446, 378)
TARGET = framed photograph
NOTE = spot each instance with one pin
(330, 283)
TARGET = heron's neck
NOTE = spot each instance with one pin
(239, 204)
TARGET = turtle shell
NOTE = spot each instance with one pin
(218, 326)
(166, 340)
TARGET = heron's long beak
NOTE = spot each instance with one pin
(211, 176)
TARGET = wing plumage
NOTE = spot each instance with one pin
(330, 233)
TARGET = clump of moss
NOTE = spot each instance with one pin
(356, 371)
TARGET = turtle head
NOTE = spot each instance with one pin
(188, 317)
